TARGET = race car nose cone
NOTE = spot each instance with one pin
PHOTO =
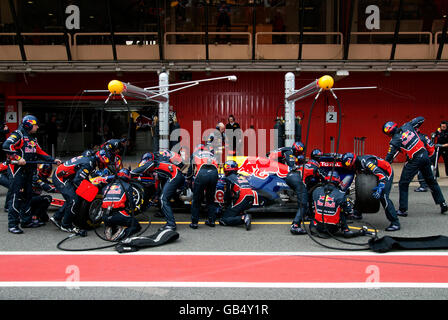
(325, 82)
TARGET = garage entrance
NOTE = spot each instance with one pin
(68, 128)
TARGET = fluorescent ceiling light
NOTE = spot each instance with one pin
(342, 73)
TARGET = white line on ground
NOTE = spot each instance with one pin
(275, 285)
(223, 253)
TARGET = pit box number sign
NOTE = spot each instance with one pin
(332, 117)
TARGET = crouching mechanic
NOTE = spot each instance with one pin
(119, 207)
(330, 207)
(40, 202)
(311, 177)
(22, 147)
(238, 197)
(383, 171)
(66, 178)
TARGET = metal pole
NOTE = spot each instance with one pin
(254, 26)
(18, 29)
(363, 145)
(164, 108)
(289, 109)
(349, 30)
(112, 33)
(443, 40)
(207, 56)
(357, 146)
(397, 30)
(301, 17)
(160, 32)
(66, 39)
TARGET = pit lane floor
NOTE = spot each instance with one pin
(228, 263)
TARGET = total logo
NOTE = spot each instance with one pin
(330, 164)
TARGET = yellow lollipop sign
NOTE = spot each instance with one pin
(115, 87)
(325, 82)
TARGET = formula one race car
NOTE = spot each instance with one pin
(266, 176)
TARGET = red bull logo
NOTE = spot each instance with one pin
(263, 167)
(143, 122)
(327, 200)
(114, 189)
(404, 135)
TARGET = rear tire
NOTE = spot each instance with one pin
(364, 202)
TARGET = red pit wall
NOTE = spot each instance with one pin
(256, 99)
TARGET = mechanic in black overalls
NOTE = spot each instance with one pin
(22, 146)
(441, 136)
(170, 156)
(119, 207)
(238, 197)
(330, 208)
(405, 139)
(116, 148)
(5, 181)
(287, 155)
(203, 170)
(172, 179)
(67, 177)
(311, 176)
(429, 145)
(295, 181)
(40, 202)
(383, 171)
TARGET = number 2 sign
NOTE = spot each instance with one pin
(332, 117)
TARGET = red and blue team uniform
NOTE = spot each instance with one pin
(407, 141)
(172, 179)
(22, 145)
(204, 170)
(239, 196)
(383, 171)
(118, 197)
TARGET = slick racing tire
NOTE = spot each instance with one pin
(364, 202)
(89, 216)
(138, 192)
